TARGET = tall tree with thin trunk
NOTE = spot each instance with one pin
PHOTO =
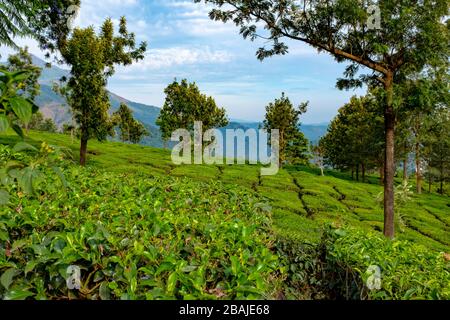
(386, 38)
(92, 59)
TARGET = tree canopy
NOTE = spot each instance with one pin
(130, 129)
(47, 21)
(411, 35)
(184, 105)
(282, 115)
(92, 58)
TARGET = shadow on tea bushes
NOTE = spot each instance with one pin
(343, 264)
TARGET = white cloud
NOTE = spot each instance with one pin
(176, 56)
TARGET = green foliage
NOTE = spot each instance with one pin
(46, 21)
(13, 106)
(184, 105)
(403, 195)
(39, 123)
(408, 271)
(93, 59)
(302, 203)
(343, 265)
(437, 147)
(136, 237)
(292, 193)
(130, 129)
(355, 136)
(282, 115)
(23, 61)
(23, 168)
(411, 37)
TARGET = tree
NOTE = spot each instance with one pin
(282, 115)
(437, 144)
(92, 59)
(47, 21)
(130, 129)
(39, 123)
(318, 153)
(23, 61)
(421, 94)
(354, 139)
(410, 34)
(184, 105)
(137, 132)
(30, 87)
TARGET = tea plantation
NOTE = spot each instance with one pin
(140, 227)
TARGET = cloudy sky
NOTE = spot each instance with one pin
(185, 43)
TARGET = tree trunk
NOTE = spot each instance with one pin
(389, 163)
(430, 182)
(405, 170)
(357, 172)
(83, 151)
(418, 173)
(353, 173)
(363, 168)
(441, 192)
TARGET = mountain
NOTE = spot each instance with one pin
(312, 131)
(55, 107)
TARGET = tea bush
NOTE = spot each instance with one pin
(344, 263)
(408, 270)
(135, 236)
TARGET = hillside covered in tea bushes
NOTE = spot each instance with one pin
(140, 227)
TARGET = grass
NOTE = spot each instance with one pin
(301, 199)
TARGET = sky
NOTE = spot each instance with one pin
(184, 43)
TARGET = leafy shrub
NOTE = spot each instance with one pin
(301, 271)
(135, 237)
(408, 270)
(343, 264)
(21, 168)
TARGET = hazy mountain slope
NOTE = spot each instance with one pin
(55, 107)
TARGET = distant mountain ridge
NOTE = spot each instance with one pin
(55, 107)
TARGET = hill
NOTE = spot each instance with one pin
(303, 201)
(55, 107)
(142, 228)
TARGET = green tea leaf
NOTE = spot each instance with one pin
(7, 277)
(23, 146)
(4, 197)
(60, 175)
(22, 108)
(171, 283)
(4, 123)
(18, 295)
(104, 291)
(17, 129)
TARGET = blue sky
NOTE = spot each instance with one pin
(185, 43)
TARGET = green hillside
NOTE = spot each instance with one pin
(303, 201)
(140, 227)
